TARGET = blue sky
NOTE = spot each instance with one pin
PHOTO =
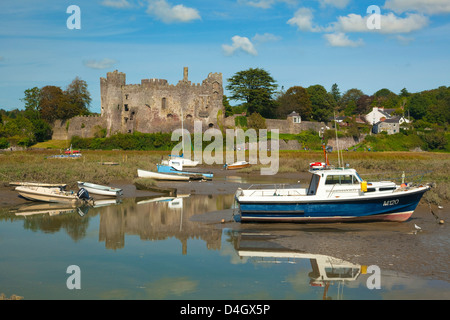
(297, 42)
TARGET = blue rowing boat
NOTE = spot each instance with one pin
(176, 166)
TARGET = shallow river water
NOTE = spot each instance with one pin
(156, 248)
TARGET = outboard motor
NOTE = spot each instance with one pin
(83, 194)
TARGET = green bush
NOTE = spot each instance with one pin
(134, 141)
(4, 143)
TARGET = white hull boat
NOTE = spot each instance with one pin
(184, 161)
(100, 189)
(161, 176)
(38, 184)
(333, 195)
(237, 165)
(48, 194)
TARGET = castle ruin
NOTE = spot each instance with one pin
(154, 105)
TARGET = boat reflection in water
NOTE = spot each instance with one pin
(166, 248)
(325, 270)
(36, 208)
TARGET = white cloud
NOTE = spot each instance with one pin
(422, 6)
(163, 11)
(390, 23)
(105, 63)
(266, 4)
(336, 3)
(263, 4)
(266, 37)
(119, 4)
(340, 39)
(239, 44)
(303, 19)
(403, 40)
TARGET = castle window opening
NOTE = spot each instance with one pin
(126, 107)
(163, 103)
(132, 114)
(211, 125)
(126, 96)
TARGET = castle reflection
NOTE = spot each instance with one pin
(160, 219)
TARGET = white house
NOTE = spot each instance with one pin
(381, 114)
(296, 118)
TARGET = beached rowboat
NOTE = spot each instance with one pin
(100, 189)
(52, 194)
(176, 166)
(237, 165)
(38, 184)
(161, 176)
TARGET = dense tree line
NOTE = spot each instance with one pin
(42, 107)
(257, 90)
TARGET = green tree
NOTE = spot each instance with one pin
(418, 105)
(256, 121)
(387, 99)
(294, 99)
(78, 97)
(227, 106)
(31, 100)
(255, 87)
(321, 105)
(336, 94)
(351, 95)
(53, 104)
(363, 104)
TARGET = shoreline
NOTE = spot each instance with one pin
(393, 246)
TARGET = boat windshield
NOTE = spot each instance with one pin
(341, 179)
(313, 184)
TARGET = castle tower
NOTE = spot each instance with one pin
(154, 105)
(112, 100)
(185, 74)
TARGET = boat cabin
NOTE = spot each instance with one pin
(343, 181)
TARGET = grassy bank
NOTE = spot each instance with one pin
(35, 166)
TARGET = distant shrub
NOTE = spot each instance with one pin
(4, 143)
(134, 141)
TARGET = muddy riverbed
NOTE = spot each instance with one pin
(394, 247)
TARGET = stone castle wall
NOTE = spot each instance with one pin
(283, 125)
(152, 106)
(82, 126)
(155, 105)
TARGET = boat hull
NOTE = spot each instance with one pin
(398, 206)
(100, 189)
(161, 176)
(237, 165)
(192, 175)
(47, 195)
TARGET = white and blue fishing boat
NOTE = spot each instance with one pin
(176, 167)
(333, 195)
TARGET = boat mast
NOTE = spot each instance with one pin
(337, 143)
(182, 132)
(323, 147)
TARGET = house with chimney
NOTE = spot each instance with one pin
(385, 120)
